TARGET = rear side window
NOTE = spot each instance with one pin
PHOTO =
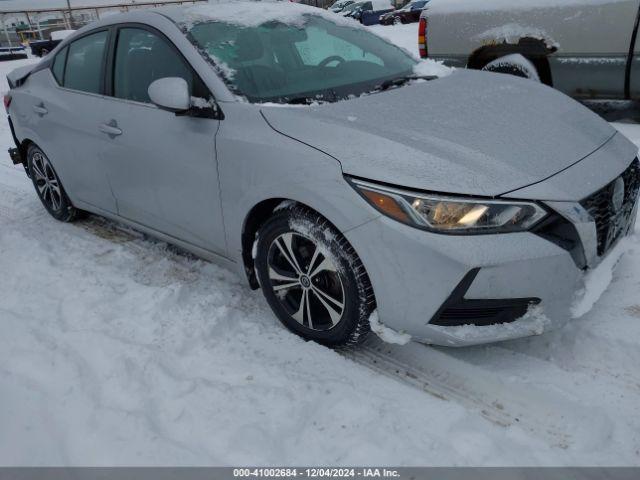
(85, 62)
(58, 65)
(143, 57)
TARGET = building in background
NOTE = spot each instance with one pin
(37, 22)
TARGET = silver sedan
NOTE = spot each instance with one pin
(356, 186)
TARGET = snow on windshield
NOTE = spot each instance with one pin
(456, 6)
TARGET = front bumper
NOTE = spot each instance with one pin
(416, 274)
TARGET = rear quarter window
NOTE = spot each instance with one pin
(58, 65)
(85, 62)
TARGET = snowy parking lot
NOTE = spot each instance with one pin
(120, 350)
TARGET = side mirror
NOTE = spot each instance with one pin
(170, 93)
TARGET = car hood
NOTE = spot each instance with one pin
(474, 133)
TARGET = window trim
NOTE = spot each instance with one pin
(64, 67)
(111, 59)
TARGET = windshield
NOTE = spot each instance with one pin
(316, 61)
(341, 5)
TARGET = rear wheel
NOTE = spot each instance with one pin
(514, 64)
(313, 279)
(48, 186)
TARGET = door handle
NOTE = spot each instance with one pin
(110, 129)
(40, 110)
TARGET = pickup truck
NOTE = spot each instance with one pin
(40, 48)
(585, 48)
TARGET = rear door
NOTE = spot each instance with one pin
(69, 117)
(162, 166)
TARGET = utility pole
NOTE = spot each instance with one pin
(70, 14)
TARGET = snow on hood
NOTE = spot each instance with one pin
(458, 6)
(472, 133)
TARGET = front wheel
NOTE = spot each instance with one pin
(313, 279)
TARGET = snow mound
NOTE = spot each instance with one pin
(385, 333)
(534, 322)
(598, 280)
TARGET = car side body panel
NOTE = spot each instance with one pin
(252, 157)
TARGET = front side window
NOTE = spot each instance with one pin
(319, 60)
(84, 63)
(141, 58)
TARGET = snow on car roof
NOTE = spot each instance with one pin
(250, 13)
(457, 6)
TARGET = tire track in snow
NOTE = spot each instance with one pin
(547, 414)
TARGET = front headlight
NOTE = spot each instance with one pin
(449, 214)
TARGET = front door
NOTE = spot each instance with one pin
(161, 166)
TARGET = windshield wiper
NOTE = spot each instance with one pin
(399, 81)
(301, 100)
(309, 100)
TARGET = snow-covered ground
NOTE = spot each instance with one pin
(119, 350)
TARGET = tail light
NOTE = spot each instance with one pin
(7, 102)
(422, 38)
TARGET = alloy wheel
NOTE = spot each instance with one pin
(46, 181)
(306, 281)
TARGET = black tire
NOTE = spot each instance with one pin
(307, 232)
(49, 187)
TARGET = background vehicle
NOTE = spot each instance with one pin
(340, 5)
(410, 13)
(585, 48)
(40, 48)
(368, 12)
(12, 53)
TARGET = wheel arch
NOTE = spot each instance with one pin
(23, 147)
(533, 49)
(256, 218)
